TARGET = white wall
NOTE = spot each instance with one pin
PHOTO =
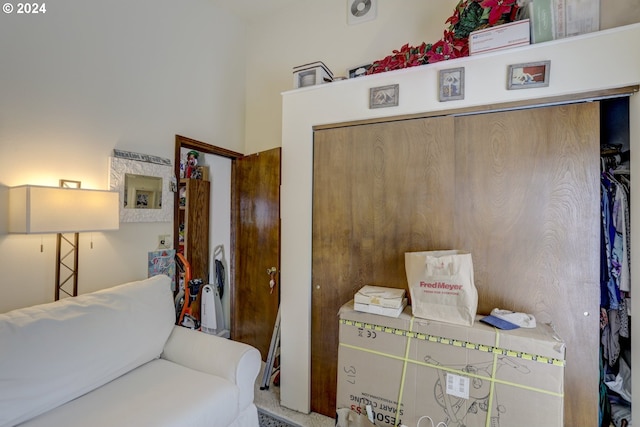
(573, 70)
(87, 77)
(220, 224)
(307, 31)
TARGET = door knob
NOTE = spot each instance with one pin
(272, 278)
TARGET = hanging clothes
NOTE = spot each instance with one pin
(615, 285)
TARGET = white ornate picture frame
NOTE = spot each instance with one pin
(120, 167)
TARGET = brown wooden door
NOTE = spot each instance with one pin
(195, 218)
(519, 190)
(256, 228)
(528, 200)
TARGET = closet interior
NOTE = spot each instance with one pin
(615, 243)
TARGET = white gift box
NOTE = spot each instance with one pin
(380, 296)
(311, 74)
(500, 37)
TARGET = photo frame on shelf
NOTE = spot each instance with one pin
(359, 71)
(145, 199)
(451, 84)
(528, 75)
(384, 96)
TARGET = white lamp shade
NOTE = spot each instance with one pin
(36, 209)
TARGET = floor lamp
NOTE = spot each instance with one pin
(67, 209)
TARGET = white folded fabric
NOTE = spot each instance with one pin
(522, 320)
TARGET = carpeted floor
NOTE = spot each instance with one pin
(268, 420)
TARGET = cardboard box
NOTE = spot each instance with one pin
(570, 17)
(581, 16)
(379, 295)
(407, 367)
(559, 19)
(500, 37)
(542, 20)
(380, 300)
(311, 74)
(380, 310)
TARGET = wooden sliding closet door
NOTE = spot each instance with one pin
(379, 190)
(518, 189)
(528, 208)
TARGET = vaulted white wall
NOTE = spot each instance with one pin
(87, 77)
(307, 31)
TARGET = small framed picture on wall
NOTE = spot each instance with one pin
(525, 76)
(451, 82)
(384, 96)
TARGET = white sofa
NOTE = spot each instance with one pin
(114, 358)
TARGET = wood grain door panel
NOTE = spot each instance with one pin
(528, 201)
(517, 189)
(256, 229)
(196, 242)
(373, 200)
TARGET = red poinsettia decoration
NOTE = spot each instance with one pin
(497, 9)
(448, 47)
(468, 16)
(407, 56)
(455, 18)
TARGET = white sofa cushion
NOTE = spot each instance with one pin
(53, 353)
(179, 397)
(235, 361)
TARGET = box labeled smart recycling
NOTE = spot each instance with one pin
(405, 368)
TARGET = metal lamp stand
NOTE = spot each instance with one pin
(67, 263)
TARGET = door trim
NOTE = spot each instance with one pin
(594, 95)
(203, 147)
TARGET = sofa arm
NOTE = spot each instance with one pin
(235, 361)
